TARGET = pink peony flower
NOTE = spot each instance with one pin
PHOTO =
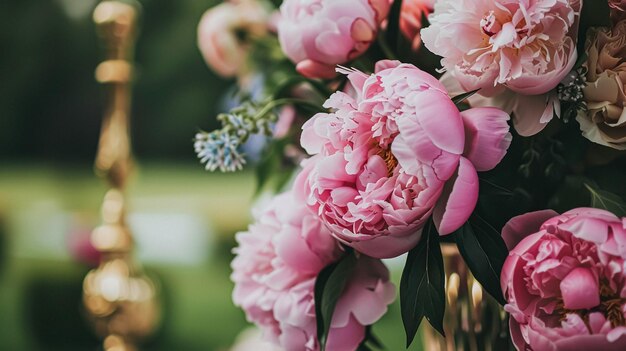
(319, 34)
(528, 46)
(411, 16)
(511, 50)
(565, 280)
(395, 154)
(274, 272)
(219, 34)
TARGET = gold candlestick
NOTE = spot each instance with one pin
(473, 320)
(120, 300)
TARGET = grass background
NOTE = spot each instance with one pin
(40, 307)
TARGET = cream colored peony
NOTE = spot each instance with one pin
(605, 121)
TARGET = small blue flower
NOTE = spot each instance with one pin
(219, 149)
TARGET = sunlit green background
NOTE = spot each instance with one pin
(184, 217)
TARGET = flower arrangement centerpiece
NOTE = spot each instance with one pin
(394, 127)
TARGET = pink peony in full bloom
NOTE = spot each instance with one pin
(219, 34)
(274, 272)
(565, 280)
(411, 16)
(516, 52)
(398, 152)
(319, 34)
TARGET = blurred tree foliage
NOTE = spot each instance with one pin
(50, 105)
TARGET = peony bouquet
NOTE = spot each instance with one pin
(395, 127)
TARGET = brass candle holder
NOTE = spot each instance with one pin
(120, 300)
(473, 320)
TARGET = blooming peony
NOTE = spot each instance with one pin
(319, 34)
(565, 280)
(604, 122)
(510, 50)
(528, 46)
(395, 154)
(274, 272)
(219, 34)
(411, 16)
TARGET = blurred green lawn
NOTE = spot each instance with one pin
(40, 297)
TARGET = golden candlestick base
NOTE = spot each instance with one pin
(120, 300)
(473, 320)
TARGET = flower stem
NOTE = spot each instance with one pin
(287, 101)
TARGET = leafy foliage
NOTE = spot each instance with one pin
(370, 342)
(271, 168)
(394, 36)
(596, 15)
(462, 97)
(484, 252)
(329, 285)
(606, 201)
(422, 286)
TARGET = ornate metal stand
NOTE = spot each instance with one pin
(473, 320)
(120, 300)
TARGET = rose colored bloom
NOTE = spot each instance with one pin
(411, 16)
(274, 272)
(565, 280)
(511, 50)
(219, 34)
(604, 122)
(319, 34)
(395, 154)
(527, 46)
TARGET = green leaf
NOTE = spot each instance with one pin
(594, 13)
(264, 169)
(370, 341)
(462, 97)
(329, 285)
(373, 339)
(606, 201)
(269, 166)
(488, 188)
(484, 252)
(393, 35)
(422, 285)
(582, 58)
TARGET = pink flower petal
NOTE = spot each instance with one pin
(458, 200)
(487, 136)
(580, 289)
(387, 246)
(517, 228)
(386, 64)
(314, 69)
(528, 113)
(346, 338)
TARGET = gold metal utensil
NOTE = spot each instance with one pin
(120, 300)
